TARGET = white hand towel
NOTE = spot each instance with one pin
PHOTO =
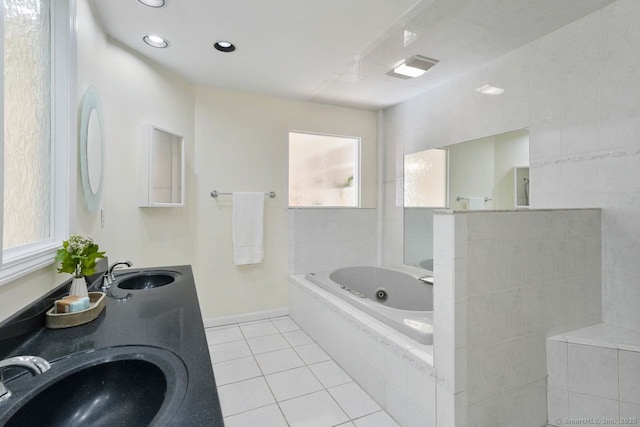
(248, 228)
(476, 203)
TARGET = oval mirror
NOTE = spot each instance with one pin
(91, 149)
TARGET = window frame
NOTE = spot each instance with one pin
(22, 260)
(357, 176)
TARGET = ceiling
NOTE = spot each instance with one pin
(333, 51)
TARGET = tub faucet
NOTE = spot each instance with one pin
(109, 278)
(426, 279)
(34, 364)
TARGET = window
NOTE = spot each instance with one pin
(38, 67)
(323, 170)
(425, 179)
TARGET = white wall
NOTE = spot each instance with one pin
(577, 91)
(242, 146)
(134, 91)
(19, 293)
(326, 239)
(586, 142)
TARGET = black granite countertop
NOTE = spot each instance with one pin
(167, 317)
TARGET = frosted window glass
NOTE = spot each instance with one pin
(425, 179)
(27, 127)
(323, 170)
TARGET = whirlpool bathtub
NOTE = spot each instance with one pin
(397, 298)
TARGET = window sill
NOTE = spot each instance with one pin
(20, 264)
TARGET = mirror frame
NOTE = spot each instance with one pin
(90, 103)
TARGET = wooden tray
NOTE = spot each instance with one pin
(97, 302)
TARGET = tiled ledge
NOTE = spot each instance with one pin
(523, 210)
(594, 373)
(602, 335)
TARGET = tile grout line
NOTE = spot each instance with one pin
(306, 366)
(263, 376)
(249, 410)
(284, 417)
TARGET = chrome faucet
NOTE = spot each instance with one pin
(426, 279)
(34, 364)
(109, 278)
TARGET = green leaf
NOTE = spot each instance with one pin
(82, 258)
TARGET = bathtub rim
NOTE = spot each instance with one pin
(423, 352)
(415, 272)
(395, 318)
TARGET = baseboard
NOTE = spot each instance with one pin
(246, 317)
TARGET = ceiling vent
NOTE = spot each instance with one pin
(413, 67)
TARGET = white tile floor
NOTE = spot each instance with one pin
(270, 374)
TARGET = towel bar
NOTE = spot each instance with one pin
(486, 199)
(214, 194)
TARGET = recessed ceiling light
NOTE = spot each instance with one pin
(224, 46)
(408, 71)
(155, 41)
(413, 67)
(153, 3)
(486, 89)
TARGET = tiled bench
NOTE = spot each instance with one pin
(594, 376)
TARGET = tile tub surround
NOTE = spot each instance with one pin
(323, 239)
(506, 280)
(594, 372)
(395, 370)
(270, 373)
